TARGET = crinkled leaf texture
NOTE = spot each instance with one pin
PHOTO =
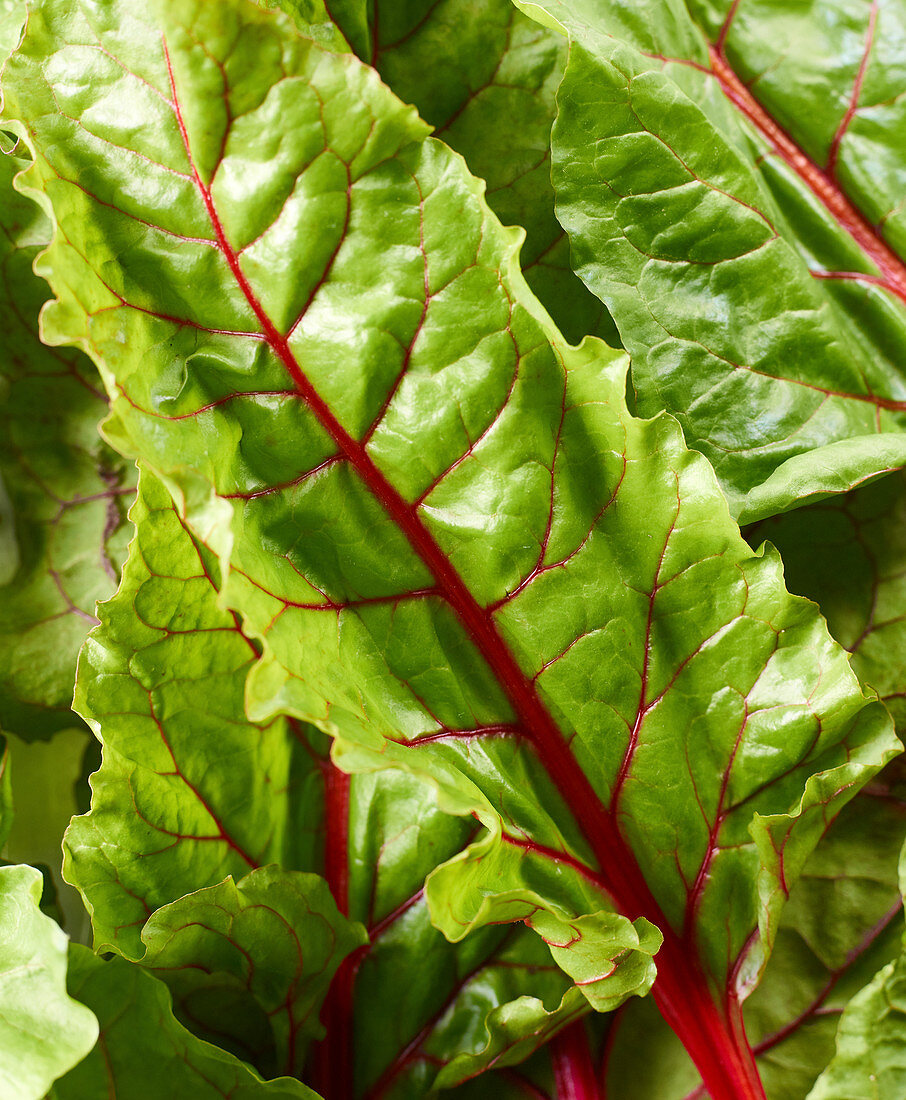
(462, 555)
(190, 791)
(253, 959)
(731, 179)
(62, 538)
(842, 923)
(142, 1050)
(43, 1031)
(485, 76)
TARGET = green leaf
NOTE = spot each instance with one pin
(485, 77)
(870, 1059)
(464, 557)
(756, 275)
(871, 1042)
(43, 1032)
(43, 779)
(313, 19)
(848, 555)
(250, 962)
(144, 1052)
(12, 17)
(189, 791)
(188, 786)
(62, 526)
(842, 922)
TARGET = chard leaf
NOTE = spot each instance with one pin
(463, 556)
(250, 962)
(43, 1031)
(62, 531)
(189, 791)
(849, 556)
(186, 789)
(485, 76)
(842, 922)
(871, 1040)
(733, 195)
(142, 1049)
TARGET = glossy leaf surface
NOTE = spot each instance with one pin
(485, 76)
(187, 787)
(731, 179)
(64, 538)
(445, 526)
(43, 1032)
(842, 923)
(142, 1049)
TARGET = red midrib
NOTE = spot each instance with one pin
(820, 181)
(681, 990)
(574, 1072)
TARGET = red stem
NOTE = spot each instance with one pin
(332, 1063)
(574, 1071)
(713, 1037)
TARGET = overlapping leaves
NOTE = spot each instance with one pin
(735, 200)
(442, 523)
(485, 76)
(143, 1050)
(62, 528)
(187, 791)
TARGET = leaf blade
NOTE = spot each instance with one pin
(709, 232)
(444, 624)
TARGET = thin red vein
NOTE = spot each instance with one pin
(380, 927)
(820, 181)
(501, 729)
(681, 990)
(236, 621)
(869, 398)
(643, 707)
(694, 897)
(407, 357)
(410, 1051)
(856, 93)
(223, 835)
(816, 1007)
(727, 23)
(555, 855)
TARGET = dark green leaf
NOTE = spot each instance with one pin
(62, 520)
